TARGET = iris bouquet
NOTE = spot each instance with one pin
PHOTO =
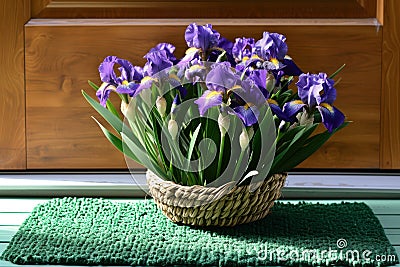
(224, 113)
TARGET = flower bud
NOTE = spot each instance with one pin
(173, 129)
(250, 132)
(223, 123)
(175, 104)
(304, 118)
(161, 105)
(124, 108)
(244, 140)
(270, 84)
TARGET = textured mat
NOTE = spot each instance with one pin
(85, 231)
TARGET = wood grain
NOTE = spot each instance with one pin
(390, 124)
(380, 6)
(60, 60)
(204, 9)
(13, 16)
(370, 7)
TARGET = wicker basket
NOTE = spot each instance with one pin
(214, 206)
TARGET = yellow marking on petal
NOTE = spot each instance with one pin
(235, 87)
(272, 102)
(212, 94)
(297, 102)
(191, 50)
(196, 67)
(327, 106)
(147, 78)
(125, 82)
(255, 57)
(174, 76)
(245, 59)
(248, 105)
(275, 61)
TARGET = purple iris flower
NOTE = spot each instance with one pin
(317, 91)
(248, 114)
(221, 77)
(168, 48)
(260, 78)
(159, 59)
(176, 83)
(332, 118)
(201, 37)
(220, 82)
(285, 113)
(128, 71)
(250, 98)
(156, 61)
(126, 83)
(195, 73)
(208, 99)
(276, 109)
(271, 47)
(242, 48)
(224, 45)
(106, 70)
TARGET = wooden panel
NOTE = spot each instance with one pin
(63, 54)
(13, 15)
(390, 135)
(370, 7)
(204, 9)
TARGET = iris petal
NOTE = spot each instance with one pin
(103, 93)
(272, 45)
(221, 77)
(203, 37)
(106, 70)
(130, 88)
(242, 48)
(332, 118)
(167, 47)
(315, 89)
(277, 110)
(260, 79)
(293, 107)
(207, 100)
(248, 115)
(156, 62)
(290, 67)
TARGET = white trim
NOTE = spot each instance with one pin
(126, 185)
(184, 22)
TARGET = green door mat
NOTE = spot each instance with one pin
(92, 231)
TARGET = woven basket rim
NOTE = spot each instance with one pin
(149, 172)
(208, 188)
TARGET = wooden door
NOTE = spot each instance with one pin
(65, 41)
